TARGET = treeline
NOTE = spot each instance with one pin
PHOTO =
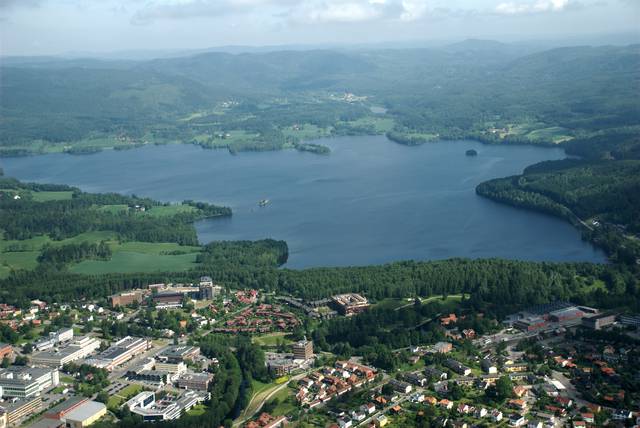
(503, 282)
(74, 253)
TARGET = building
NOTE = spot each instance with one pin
(531, 323)
(166, 300)
(19, 408)
(119, 352)
(82, 347)
(179, 353)
(566, 314)
(127, 298)
(169, 408)
(350, 303)
(488, 366)
(632, 320)
(457, 367)
(6, 351)
(197, 381)
(599, 321)
(174, 368)
(400, 386)
(443, 347)
(303, 350)
(27, 382)
(77, 412)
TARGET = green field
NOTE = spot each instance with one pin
(169, 210)
(126, 259)
(271, 339)
(51, 196)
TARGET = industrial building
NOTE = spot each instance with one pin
(77, 412)
(197, 381)
(27, 382)
(82, 347)
(119, 352)
(599, 321)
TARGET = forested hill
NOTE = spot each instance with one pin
(602, 197)
(477, 89)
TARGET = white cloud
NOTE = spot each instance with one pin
(537, 6)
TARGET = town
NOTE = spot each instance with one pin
(138, 354)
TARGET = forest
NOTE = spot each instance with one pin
(601, 197)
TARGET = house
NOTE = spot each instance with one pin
(496, 415)
(517, 420)
(416, 379)
(400, 386)
(579, 424)
(431, 400)
(588, 417)
(344, 422)
(621, 415)
(450, 319)
(381, 420)
(518, 404)
(417, 397)
(463, 408)
(435, 374)
(481, 412)
(535, 423)
(368, 408)
(446, 404)
(488, 366)
(443, 347)
(396, 409)
(457, 367)
(520, 391)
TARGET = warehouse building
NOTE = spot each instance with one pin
(82, 347)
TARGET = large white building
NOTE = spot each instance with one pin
(60, 336)
(26, 382)
(119, 352)
(82, 347)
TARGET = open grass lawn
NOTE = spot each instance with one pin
(51, 196)
(380, 124)
(554, 134)
(18, 260)
(129, 262)
(169, 210)
(258, 386)
(285, 404)
(271, 339)
(197, 410)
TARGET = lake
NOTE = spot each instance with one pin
(370, 201)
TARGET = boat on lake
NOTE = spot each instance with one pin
(264, 202)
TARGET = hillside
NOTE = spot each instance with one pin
(271, 100)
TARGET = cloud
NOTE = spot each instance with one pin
(537, 6)
(8, 4)
(184, 9)
(300, 11)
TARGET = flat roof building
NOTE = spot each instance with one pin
(350, 303)
(82, 347)
(26, 382)
(303, 350)
(119, 352)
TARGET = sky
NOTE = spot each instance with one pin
(52, 27)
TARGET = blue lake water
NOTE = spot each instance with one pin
(370, 201)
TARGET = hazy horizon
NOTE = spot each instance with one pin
(72, 27)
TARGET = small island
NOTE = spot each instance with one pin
(471, 152)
